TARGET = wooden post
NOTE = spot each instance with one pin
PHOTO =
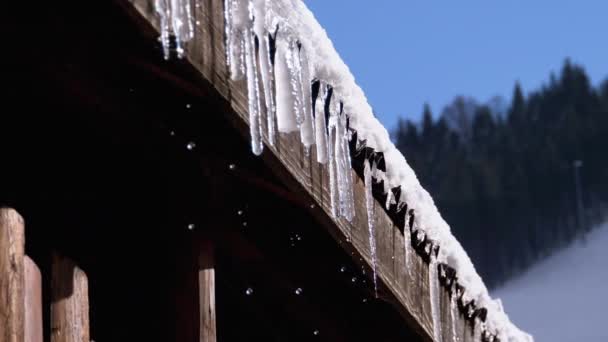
(12, 250)
(33, 302)
(69, 302)
(206, 284)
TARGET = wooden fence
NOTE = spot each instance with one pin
(21, 305)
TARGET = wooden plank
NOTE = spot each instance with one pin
(69, 302)
(33, 302)
(206, 282)
(12, 250)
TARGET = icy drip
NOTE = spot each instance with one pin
(320, 125)
(369, 204)
(175, 18)
(434, 297)
(253, 94)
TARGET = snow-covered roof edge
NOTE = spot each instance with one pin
(279, 45)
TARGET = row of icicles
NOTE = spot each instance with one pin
(293, 99)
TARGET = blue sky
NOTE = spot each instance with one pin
(404, 53)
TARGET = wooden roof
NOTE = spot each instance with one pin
(407, 289)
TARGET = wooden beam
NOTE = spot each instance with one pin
(70, 302)
(33, 302)
(12, 250)
(206, 283)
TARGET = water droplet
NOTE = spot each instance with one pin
(364, 300)
(191, 226)
(354, 279)
(316, 332)
(299, 237)
(347, 239)
(393, 257)
(298, 291)
(188, 105)
(249, 291)
(191, 145)
(198, 23)
(172, 133)
(343, 269)
(231, 166)
(244, 224)
(312, 206)
(240, 212)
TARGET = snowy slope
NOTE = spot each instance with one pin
(564, 298)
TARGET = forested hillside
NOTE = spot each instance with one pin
(504, 177)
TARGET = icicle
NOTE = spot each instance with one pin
(182, 22)
(286, 120)
(435, 299)
(175, 18)
(407, 235)
(306, 129)
(163, 11)
(266, 68)
(342, 160)
(454, 318)
(295, 79)
(253, 94)
(369, 204)
(267, 71)
(333, 174)
(320, 125)
(236, 14)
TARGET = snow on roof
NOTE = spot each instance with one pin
(294, 51)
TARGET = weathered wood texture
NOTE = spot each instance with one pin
(206, 292)
(69, 302)
(33, 302)
(12, 251)
(405, 285)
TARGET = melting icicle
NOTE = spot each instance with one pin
(242, 58)
(286, 117)
(182, 22)
(453, 318)
(292, 57)
(236, 14)
(175, 18)
(343, 166)
(163, 11)
(306, 129)
(320, 125)
(434, 297)
(333, 174)
(407, 236)
(253, 93)
(266, 68)
(369, 204)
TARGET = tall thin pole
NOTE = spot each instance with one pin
(579, 196)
